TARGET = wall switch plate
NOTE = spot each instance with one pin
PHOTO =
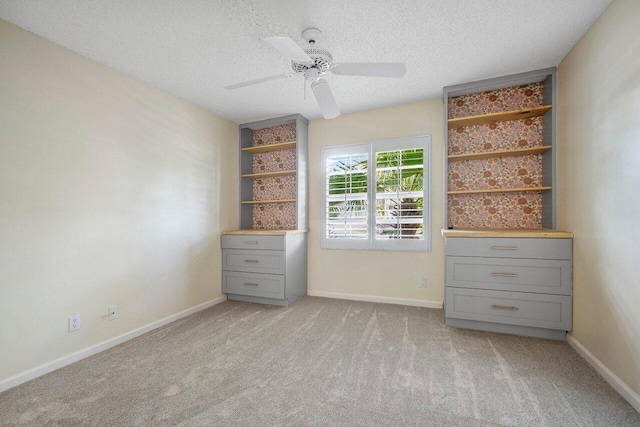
(74, 322)
(423, 282)
(113, 312)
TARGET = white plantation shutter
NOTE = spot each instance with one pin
(375, 195)
(346, 199)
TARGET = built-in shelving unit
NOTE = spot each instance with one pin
(265, 261)
(273, 174)
(499, 153)
(480, 138)
(507, 268)
(483, 119)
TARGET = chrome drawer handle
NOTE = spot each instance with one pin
(250, 284)
(504, 307)
(250, 242)
(251, 260)
(504, 274)
(504, 248)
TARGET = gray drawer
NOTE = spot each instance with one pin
(513, 308)
(509, 274)
(270, 262)
(253, 284)
(248, 241)
(509, 247)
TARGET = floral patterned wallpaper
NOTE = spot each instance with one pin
(274, 161)
(504, 210)
(496, 210)
(495, 101)
(499, 172)
(274, 188)
(273, 216)
(496, 136)
(275, 135)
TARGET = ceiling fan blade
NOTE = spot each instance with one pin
(371, 69)
(325, 99)
(290, 49)
(257, 81)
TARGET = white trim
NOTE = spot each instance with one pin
(373, 298)
(63, 361)
(625, 391)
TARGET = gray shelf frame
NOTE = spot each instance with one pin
(549, 164)
(302, 178)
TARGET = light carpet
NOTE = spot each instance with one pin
(322, 362)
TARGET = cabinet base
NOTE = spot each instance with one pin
(260, 300)
(527, 331)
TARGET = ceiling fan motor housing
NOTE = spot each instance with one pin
(321, 61)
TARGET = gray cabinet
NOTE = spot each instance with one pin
(266, 260)
(513, 285)
(500, 156)
(265, 266)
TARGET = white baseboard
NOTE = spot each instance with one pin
(384, 300)
(625, 391)
(51, 366)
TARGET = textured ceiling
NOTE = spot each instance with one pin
(192, 48)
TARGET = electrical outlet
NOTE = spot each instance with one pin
(113, 312)
(74, 322)
(423, 282)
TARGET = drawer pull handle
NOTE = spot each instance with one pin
(250, 242)
(251, 260)
(504, 274)
(250, 284)
(504, 248)
(504, 307)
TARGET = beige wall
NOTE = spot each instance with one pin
(111, 192)
(599, 185)
(378, 273)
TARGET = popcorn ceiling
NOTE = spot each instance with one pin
(193, 48)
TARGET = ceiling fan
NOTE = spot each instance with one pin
(313, 62)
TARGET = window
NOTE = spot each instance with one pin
(385, 207)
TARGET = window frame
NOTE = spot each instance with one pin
(370, 149)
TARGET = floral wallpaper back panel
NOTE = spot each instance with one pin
(275, 135)
(496, 101)
(497, 172)
(274, 188)
(274, 216)
(496, 210)
(496, 136)
(507, 210)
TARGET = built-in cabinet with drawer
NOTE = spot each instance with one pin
(266, 260)
(519, 285)
(507, 267)
(266, 266)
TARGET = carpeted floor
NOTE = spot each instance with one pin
(322, 362)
